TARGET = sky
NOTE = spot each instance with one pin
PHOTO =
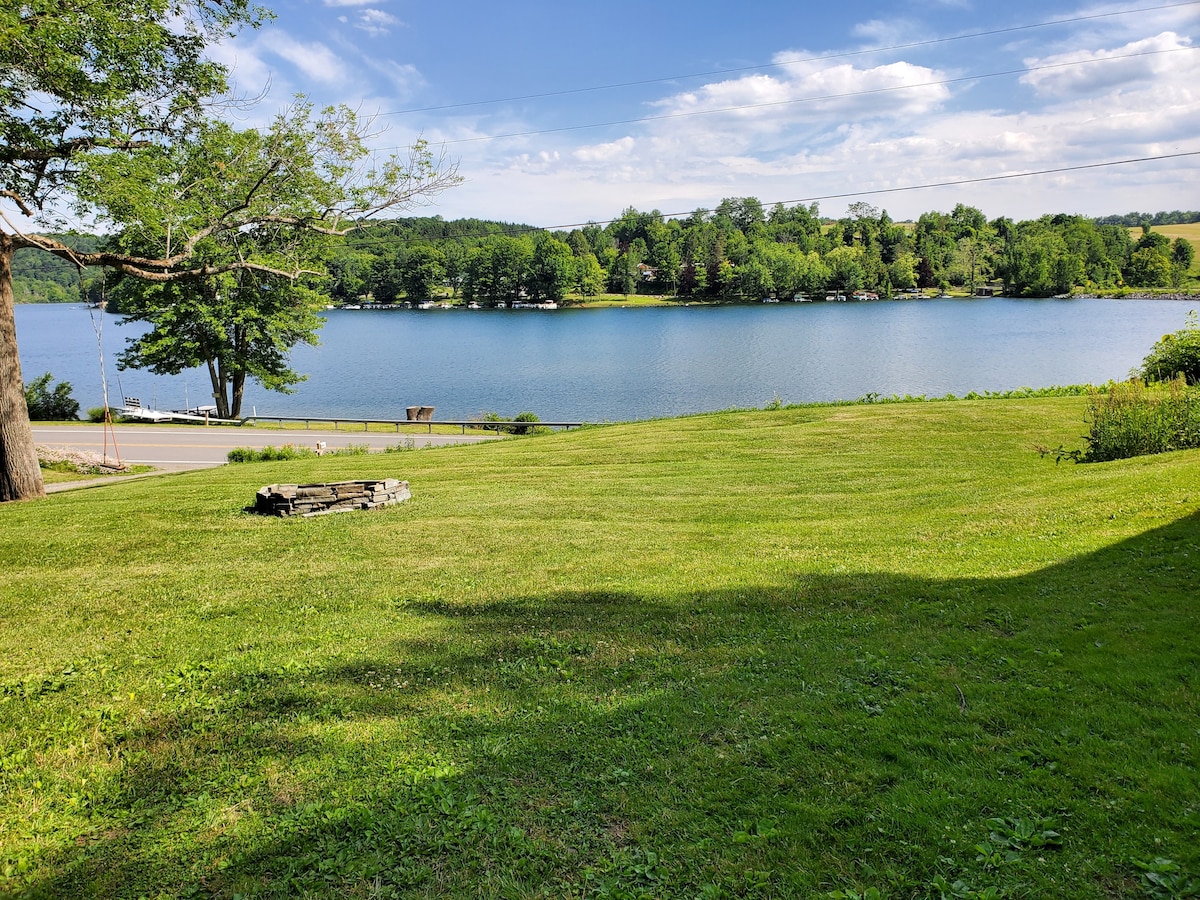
(563, 113)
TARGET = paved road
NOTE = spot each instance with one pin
(196, 447)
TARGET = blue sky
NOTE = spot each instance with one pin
(784, 101)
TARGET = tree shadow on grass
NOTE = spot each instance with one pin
(781, 740)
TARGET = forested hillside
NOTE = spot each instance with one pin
(42, 278)
(739, 250)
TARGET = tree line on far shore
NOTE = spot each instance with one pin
(739, 250)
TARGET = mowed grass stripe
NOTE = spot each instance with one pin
(750, 654)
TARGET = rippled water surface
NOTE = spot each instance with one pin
(619, 364)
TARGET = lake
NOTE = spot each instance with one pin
(618, 364)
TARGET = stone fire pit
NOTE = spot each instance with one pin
(309, 500)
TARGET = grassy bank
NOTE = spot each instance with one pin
(783, 653)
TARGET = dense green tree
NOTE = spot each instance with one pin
(239, 325)
(551, 270)
(1182, 256)
(800, 225)
(1154, 240)
(350, 273)
(102, 106)
(1148, 267)
(50, 405)
(936, 245)
(498, 269)
(754, 280)
(76, 78)
(846, 273)
(903, 272)
(632, 226)
(1175, 354)
(589, 277)
(454, 258)
(623, 274)
(578, 243)
(741, 212)
(786, 264)
(667, 262)
(421, 270)
(693, 279)
(814, 279)
(385, 281)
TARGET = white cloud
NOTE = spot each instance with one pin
(376, 22)
(349, 2)
(403, 79)
(604, 153)
(808, 88)
(314, 59)
(1167, 57)
(888, 33)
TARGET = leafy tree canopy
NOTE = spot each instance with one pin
(1175, 354)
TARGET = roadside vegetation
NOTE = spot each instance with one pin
(879, 649)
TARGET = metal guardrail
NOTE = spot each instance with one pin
(398, 423)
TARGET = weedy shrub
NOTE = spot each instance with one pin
(521, 423)
(46, 405)
(268, 453)
(1166, 878)
(1131, 419)
(1175, 355)
(291, 451)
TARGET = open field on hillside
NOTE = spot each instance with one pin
(803, 652)
(1190, 232)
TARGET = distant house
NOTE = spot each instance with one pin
(647, 273)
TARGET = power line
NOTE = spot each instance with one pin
(525, 229)
(791, 62)
(824, 97)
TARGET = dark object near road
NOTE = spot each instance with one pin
(309, 500)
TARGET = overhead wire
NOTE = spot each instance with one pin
(838, 96)
(817, 99)
(994, 32)
(514, 230)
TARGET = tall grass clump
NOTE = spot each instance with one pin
(1132, 419)
(269, 453)
(290, 452)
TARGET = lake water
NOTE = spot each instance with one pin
(620, 364)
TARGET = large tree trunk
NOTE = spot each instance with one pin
(238, 388)
(218, 389)
(20, 474)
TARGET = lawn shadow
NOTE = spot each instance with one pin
(828, 731)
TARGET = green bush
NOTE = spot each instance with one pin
(96, 414)
(521, 423)
(47, 405)
(1176, 354)
(291, 451)
(269, 453)
(1131, 419)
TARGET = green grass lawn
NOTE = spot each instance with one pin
(805, 652)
